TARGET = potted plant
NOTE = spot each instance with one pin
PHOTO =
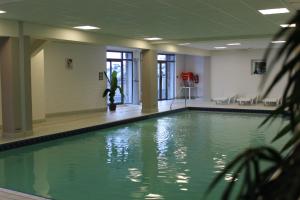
(111, 92)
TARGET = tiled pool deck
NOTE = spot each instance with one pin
(69, 122)
(11, 195)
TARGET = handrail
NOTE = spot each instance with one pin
(185, 100)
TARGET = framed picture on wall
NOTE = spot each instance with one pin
(258, 67)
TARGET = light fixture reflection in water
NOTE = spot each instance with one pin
(134, 175)
(220, 164)
(154, 196)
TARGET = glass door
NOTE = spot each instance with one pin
(122, 63)
(166, 76)
(162, 81)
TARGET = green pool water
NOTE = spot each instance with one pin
(172, 157)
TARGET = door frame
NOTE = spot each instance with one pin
(159, 87)
(122, 69)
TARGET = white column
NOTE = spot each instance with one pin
(149, 81)
(25, 80)
(10, 86)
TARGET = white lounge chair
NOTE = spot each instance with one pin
(224, 100)
(247, 100)
(271, 101)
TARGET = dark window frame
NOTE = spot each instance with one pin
(121, 60)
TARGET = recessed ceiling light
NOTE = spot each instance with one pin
(274, 11)
(2, 11)
(220, 47)
(278, 42)
(288, 25)
(152, 38)
(184, 44)
(87, 27)
(234, 44)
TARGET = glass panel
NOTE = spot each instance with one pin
(127, 81)
(158, 81)
(108, 72)
(171, 57)
(163, 81)
(171, 80)
(116, 66)
(161, 57)
(127, 55)
(113, 55)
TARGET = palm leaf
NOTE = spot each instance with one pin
(105, 92)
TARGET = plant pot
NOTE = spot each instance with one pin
(112, 107)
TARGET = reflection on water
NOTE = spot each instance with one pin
(173, 157)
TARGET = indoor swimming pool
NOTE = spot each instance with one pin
(171, 157)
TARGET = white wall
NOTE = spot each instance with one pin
(38, 86)
(76, 89)
(180, 67)
(231, 73)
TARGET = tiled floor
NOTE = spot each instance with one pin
(69, 122)
(11, 195)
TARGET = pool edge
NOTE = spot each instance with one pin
(44, 138)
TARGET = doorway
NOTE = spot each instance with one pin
(122, 63)
(165, 77)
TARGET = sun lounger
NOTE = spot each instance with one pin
(271, 101)
(224, 100)
(247, 100)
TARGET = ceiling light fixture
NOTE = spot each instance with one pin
(152, 38)
(184, 44)
(274, 11)
(288, 25)
(87, 27)
(220, 47)
(278, 42)
(2, 11)
(234, 44)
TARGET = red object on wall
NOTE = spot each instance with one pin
(187, 76)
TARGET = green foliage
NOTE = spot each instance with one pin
(280, 180)
(111, 92)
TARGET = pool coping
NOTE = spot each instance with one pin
(45, 138)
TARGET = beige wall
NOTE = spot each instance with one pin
(38, 86)
(231, 73)
(74, 89)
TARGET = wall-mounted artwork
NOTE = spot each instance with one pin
(258, 67)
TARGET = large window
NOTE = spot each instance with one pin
(166, 76)
(122, 63)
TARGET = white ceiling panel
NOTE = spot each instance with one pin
(181, 20)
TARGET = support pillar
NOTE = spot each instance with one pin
(149, 81)
(16, 85)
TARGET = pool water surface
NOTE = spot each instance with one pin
(172, 157)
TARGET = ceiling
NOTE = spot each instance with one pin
(257, 43)
(172, 20)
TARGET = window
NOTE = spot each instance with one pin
(166, 76)
(122, 63)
